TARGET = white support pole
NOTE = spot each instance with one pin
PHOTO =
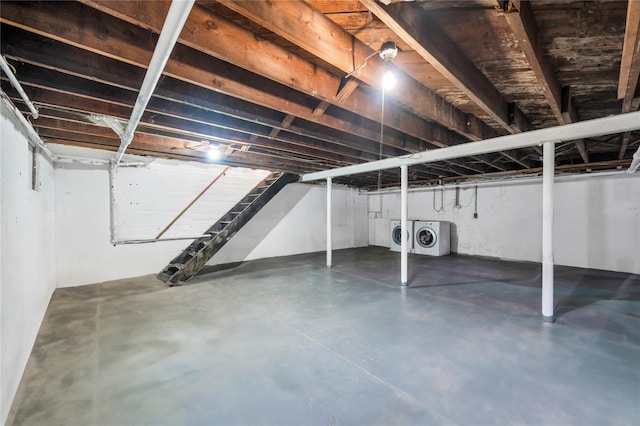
(329, 180)
(548, 169)
(404, 183)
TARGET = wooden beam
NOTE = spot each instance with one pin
(412, 25)
(332, 43)
(624, 144)
(58, 101)
(144, 135)
(91, 30)
(156, 146)
(570, 115)
(347, 86)
(193, 130)
(629, 68)
(533, 170)
(286, 122)
(520, 17)
(630, 64)
(75, 62)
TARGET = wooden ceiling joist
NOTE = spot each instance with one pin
(124, 45)
(520, 17)
(630, 68)
(283, 85)
(215, 36)
(630, 64)
(288, 20)
(411, 24)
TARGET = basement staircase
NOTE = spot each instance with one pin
(194, 257)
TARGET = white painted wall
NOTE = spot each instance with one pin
(597, 220)
(294, 222)
(148, 198)
(27, 254)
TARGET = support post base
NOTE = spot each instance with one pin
(548, 319)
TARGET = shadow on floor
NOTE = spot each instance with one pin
(589, 286)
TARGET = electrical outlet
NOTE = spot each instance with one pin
(475, 215)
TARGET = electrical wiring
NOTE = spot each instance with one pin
(441, 200)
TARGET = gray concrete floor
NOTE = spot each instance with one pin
(286, 341)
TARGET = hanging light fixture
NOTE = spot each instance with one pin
(214, 152)
(388, 52)
(389, 79)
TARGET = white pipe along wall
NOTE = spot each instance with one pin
(16, 84)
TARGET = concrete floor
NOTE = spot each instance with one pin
(286, 341)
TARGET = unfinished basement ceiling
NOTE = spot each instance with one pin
(273, 83)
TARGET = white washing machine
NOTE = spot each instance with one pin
(396, 233)
(432, 238)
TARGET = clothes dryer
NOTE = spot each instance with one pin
(432, 237)
(396, 233)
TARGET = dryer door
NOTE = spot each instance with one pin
(396, 234)
(426, 237)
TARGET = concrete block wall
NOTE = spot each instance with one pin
(596, 224)
(27, 253)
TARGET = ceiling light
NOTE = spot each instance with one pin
(388, 51)
(389, 79)
(214, 152)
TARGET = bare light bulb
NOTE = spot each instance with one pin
(214, 152)
(389, 79)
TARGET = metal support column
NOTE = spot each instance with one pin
(329, 180)
(403, 223)
(548, 166)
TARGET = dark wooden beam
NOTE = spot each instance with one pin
(77, 25)
(630, 64)
(287, 19)
(520, 17)
(347, 87)
(330, 42)
(410, 22)
(570, 115)
(214, 35)
(175, 91)
(629, 68)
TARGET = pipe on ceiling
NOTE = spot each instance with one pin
(32, 135)
(15, 83)
(494, 182)
(584, 129)
(173, 24)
